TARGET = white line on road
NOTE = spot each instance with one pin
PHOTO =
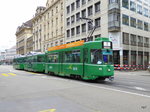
(106, 88)
(139, 88)
(117, 90)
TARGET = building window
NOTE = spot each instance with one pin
(48, 15)
(132, 6)
(140, 24)
(77, 3)
(78, 30)
(68, 21)
(125, 19)
(56, 43)
(140, 41)
(97, 7)
(68, 9)
(133, 22)
(90, 10)
(125, 38)
(68, 33)
(61, 42)
(52, 12)
(133, 57)
(90, 26)
(139, 9)
(56, 21)
(97, 22)
(113, 17)
(72, 7)
(113, 1)
(72, 19)
(83, 28)
(145, 12)
(72, 32)
(89, 0)
(51, 44)
(57, 9)
(125, 4)
(62, 6)
(78, 16)
(140, 1)
(84, 13)
(146, 42)
(145, 26)
(98, 36)
(83, 2)
(133, 39)
(61, 17)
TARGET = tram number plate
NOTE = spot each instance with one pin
(100, 68)
(75, 68)
(50, 67)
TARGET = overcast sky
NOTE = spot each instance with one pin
(13, 14)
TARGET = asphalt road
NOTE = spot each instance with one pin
(22, 91)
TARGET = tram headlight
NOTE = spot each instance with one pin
(108, 70)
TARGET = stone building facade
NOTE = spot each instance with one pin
(125, 22)
(22, 34)
(48, 25)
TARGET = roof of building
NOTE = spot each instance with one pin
(27, 24)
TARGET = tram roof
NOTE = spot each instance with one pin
(64, 46)
(75, 44)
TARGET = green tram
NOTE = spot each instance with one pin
(86, 60)
(18, 63)
(35, 63)
(89, 61)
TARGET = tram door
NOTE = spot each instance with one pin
(85, 60)
(61, 54)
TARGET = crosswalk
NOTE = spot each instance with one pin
(7, 74)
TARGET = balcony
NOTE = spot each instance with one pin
(114, 26)
(114, 7)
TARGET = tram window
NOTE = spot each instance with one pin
(40, 59)
(53, 58)
(76, 56)
(68, 56)
(96, 56)
(72, 56)
(35, 60)
(108, 59)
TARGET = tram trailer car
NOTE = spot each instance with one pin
(35, 63)
(89, 61)
(19, 63)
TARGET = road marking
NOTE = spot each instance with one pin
(4, 74)
(139, 88)
(117, 90)
(12, 74)
(49, 110)
(8, 74)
